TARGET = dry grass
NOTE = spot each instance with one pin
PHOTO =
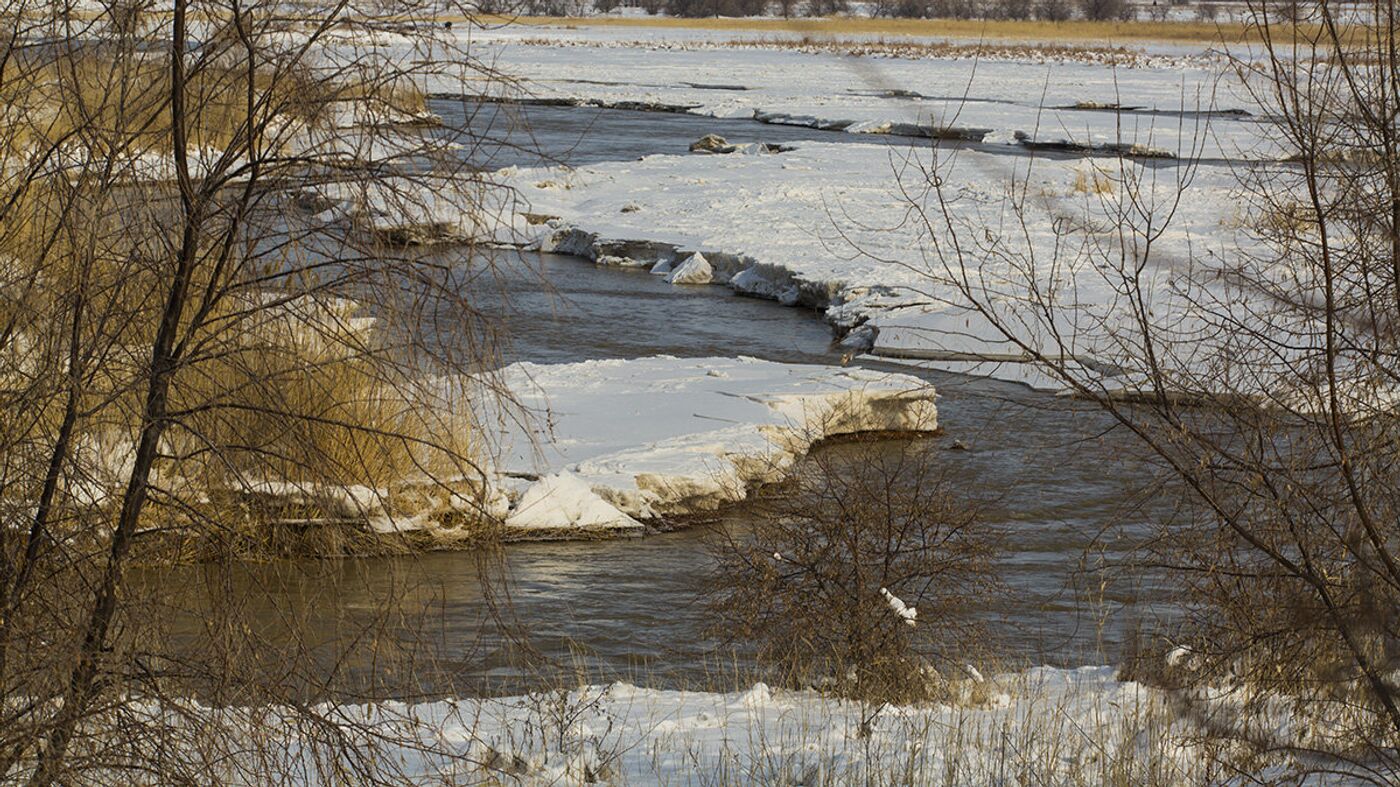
(1095, 182)
(1034, 52)
(104, 105)
(1078, 30)
(124, 105)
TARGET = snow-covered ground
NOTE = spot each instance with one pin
(1080, 726)
(605, 443)
(1061, 723)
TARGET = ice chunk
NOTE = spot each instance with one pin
(711, 143)
(695, 270)
(564, 500)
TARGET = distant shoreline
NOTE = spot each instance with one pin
(1001, 30)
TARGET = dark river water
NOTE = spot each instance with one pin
(1053, 477)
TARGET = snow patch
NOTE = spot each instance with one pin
(901, 610)
(1065, 723)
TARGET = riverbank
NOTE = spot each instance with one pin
(1084, 726)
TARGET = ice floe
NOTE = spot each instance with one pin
(609, 441)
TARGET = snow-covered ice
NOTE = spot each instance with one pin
(563, 500)
(842, 227)
(1180, 103)
(660, 436)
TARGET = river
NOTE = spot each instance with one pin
(1054, 478)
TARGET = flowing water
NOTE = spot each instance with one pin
(1053, 476)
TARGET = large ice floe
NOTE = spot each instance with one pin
(607, 444)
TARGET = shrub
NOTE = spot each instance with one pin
(953, 9)
(806, 585)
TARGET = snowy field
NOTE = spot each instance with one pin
(849, 228)
(854, 230)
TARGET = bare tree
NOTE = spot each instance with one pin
(1260, 376)
(824, 583)
(1011, 9)
(211, 330)
(1102, 10)
(1052, 10)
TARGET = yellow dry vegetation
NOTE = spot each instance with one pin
(282, 384)
(104, 104)
(1095, 182)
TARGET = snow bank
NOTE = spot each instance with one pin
(661, 436)
(1058, 722)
